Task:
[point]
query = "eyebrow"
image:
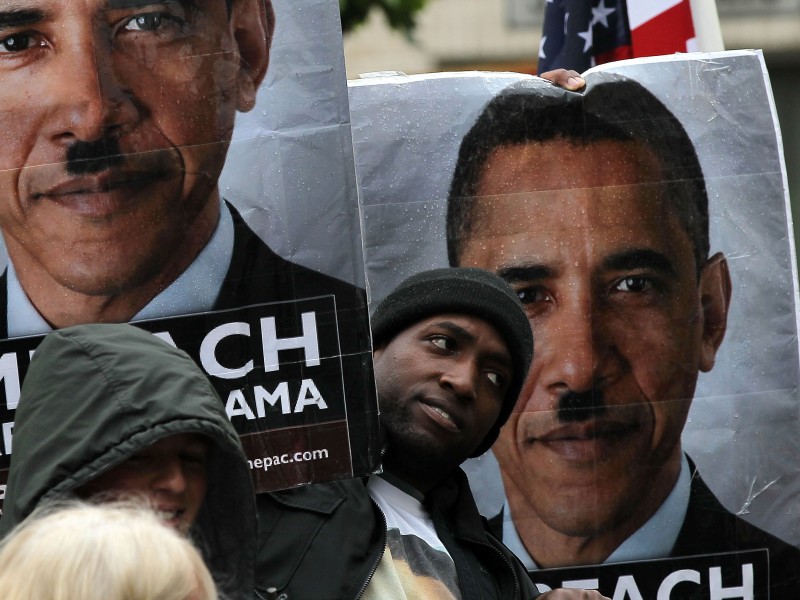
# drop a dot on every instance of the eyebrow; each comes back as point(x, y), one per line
point(456, 330)
point(15, 17)
point(525, 272)
point(118, 4)
point(639, 258)
point(627, 260)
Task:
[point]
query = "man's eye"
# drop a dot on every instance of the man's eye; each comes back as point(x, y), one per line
point(146, 22)
point(529, 295)
point(443, 342)
point(634, 284)
point(153, 21)
point(18, 42)
point(495, 378)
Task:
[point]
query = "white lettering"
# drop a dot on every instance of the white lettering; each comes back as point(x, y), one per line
point(262, 395)
point(582, 584)
point(745, 591)
point(8, 434)
point(308, 342)
point(9, 373)
point(237, 406)
point(165, 336)
point(208, 357)
point(309, 395)
point(285, 459)
point(673, 579)
point(627, 588)
point(673, 585)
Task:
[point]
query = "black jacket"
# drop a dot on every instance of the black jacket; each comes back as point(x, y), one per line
point(324, 542)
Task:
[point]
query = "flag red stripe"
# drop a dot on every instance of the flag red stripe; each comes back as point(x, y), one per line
point(664, 34)
point(618, 53)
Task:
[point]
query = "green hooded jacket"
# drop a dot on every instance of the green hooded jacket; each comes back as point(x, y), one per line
point(95, 395)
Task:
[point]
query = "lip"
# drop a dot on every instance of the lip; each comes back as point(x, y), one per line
point(98, 195)
point(590, 441)
point(450, 420)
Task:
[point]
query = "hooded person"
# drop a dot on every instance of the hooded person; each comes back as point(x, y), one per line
point(110, 411)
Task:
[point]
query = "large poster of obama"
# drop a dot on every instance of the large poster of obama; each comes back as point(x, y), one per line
point(643, 221)
point(187, 165)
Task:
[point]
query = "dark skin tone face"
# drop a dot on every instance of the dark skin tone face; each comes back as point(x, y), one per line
point(115, 122)
point(622, 326)
point(441, 384)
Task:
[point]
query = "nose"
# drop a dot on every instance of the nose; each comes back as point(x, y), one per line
point(460, 377)
point(92, 102)
point(170, 476)
point(575, 350)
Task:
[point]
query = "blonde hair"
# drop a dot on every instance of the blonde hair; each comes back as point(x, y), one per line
point(117, 551)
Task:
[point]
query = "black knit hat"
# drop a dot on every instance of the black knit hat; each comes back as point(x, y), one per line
point(462, 291)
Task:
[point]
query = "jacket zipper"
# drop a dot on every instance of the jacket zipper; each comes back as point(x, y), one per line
point(380, 554)
point(517, 592)
point(517, 584)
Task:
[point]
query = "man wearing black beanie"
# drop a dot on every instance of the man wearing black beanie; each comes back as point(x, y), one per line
point(451, 351)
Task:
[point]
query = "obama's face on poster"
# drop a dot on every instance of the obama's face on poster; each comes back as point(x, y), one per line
point(115, 119)
point(623, 320)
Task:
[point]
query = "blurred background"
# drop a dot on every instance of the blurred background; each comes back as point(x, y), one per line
point(420, 36)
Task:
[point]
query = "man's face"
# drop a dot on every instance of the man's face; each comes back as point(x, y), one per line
point(441, 384)
point(115, 118)
point(620, 323)
point(171, 474)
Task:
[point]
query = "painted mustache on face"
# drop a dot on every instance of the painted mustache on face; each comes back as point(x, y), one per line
point(574, 407)
point(87, 158)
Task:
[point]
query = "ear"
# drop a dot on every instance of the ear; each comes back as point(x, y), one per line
point(715, 298)
point(253, 24)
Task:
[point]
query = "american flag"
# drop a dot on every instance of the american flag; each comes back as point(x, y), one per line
point(579, 34)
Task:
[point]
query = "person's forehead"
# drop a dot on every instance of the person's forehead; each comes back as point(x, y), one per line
point(597, 227)
point(562, 164)
point(615, 214)
point(561, 190)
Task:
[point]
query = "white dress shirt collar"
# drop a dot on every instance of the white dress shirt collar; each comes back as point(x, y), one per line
point(654, 539)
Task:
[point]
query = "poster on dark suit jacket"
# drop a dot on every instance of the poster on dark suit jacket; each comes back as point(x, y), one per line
point(213, 202)
point(655, 439)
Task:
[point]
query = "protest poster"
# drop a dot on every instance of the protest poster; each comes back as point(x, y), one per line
point(682, 400)
point(118, 208)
